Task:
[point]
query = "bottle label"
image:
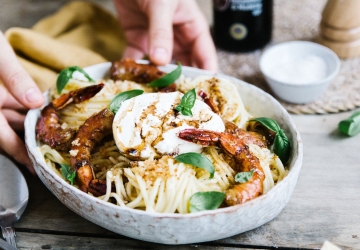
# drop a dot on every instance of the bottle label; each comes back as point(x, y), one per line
point(238, 31)
point(255, 6)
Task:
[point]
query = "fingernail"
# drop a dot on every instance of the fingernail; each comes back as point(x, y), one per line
point(33, 95)
point(160, 55)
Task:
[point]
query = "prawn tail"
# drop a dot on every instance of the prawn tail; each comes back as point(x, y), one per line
point(77, 96)
point(97, 187)
point(200, 136)
point(84, 175)
point(241, 193)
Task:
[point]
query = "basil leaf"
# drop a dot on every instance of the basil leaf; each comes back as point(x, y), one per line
point(68, 173)
point(187, 103)
point(282, 146)
point(350, 126)
point(66, 74)
point(268, 122)
point(184, 111)
point(243, 177)
point(116, 102)
point(281, 142)
point(167, 79)
point(201, 201)
point(197, 160)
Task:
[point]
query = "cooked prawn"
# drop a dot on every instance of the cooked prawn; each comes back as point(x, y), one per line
point(249, 137)
point(94, 129)
point(128, 69)
point(259, 128)
point(48, 128)
point(209, 102)
point(245, 161)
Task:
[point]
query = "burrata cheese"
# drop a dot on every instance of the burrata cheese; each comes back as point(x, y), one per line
point(148, 125)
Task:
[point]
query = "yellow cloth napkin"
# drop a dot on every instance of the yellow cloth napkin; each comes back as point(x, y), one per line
point(80, 33)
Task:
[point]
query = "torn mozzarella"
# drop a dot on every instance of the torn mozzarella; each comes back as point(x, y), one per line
point(148, 125)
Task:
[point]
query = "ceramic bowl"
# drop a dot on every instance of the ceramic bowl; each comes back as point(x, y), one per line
point(299, 71)
point(179, 228)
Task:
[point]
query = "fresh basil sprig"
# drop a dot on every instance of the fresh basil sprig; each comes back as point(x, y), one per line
point(116, 102)
point(350, 126)
point(167, 79)
point(201, 201)
point(187, 103)
point(197, 160)
point(281, 142)
point(243, 177)
point(66, 74)
point(68, 173)
point(282, 146)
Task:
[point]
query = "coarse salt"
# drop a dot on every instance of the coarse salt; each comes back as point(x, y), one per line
point(302, 70)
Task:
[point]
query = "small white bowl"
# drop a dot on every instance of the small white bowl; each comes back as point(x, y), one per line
point(299, 71)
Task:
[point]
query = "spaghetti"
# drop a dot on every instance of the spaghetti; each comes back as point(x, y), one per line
point(160, 184)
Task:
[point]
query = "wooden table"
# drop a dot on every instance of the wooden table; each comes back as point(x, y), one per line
point(325, 204)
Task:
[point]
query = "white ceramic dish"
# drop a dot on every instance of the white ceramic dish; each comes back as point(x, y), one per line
point(177, 228)
point(301, 61)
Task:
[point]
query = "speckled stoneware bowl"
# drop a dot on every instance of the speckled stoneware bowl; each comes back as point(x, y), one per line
point(178, 228)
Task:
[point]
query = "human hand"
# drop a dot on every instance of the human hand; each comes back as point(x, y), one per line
point(165, 30)
point(17, 93)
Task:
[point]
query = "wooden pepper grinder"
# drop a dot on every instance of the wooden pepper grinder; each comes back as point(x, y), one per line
point(340, 27)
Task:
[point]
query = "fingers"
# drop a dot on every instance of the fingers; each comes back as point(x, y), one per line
point(204, 52)
point(13, 145)
point(14, 119)
point(8, 101)
point(16, 79)
point(133, 53)
point(149, 28)
point(184, 58)
point(160, 17)
point(137, 45)
point(194, 36)
point(18, 83)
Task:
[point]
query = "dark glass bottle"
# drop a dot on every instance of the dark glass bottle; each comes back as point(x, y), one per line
point(242, 25)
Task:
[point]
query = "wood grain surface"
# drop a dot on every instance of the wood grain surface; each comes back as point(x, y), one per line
point(325, 204)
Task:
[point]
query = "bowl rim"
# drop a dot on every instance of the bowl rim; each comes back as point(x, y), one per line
point(294, 170)
point(300, 43)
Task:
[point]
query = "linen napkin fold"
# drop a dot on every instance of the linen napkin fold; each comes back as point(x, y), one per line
point(80, 33)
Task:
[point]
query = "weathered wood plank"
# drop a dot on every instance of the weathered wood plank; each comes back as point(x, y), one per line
point(36, 241)
point(321, 124)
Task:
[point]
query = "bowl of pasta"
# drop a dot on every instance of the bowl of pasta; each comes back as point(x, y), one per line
point(169, 154)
